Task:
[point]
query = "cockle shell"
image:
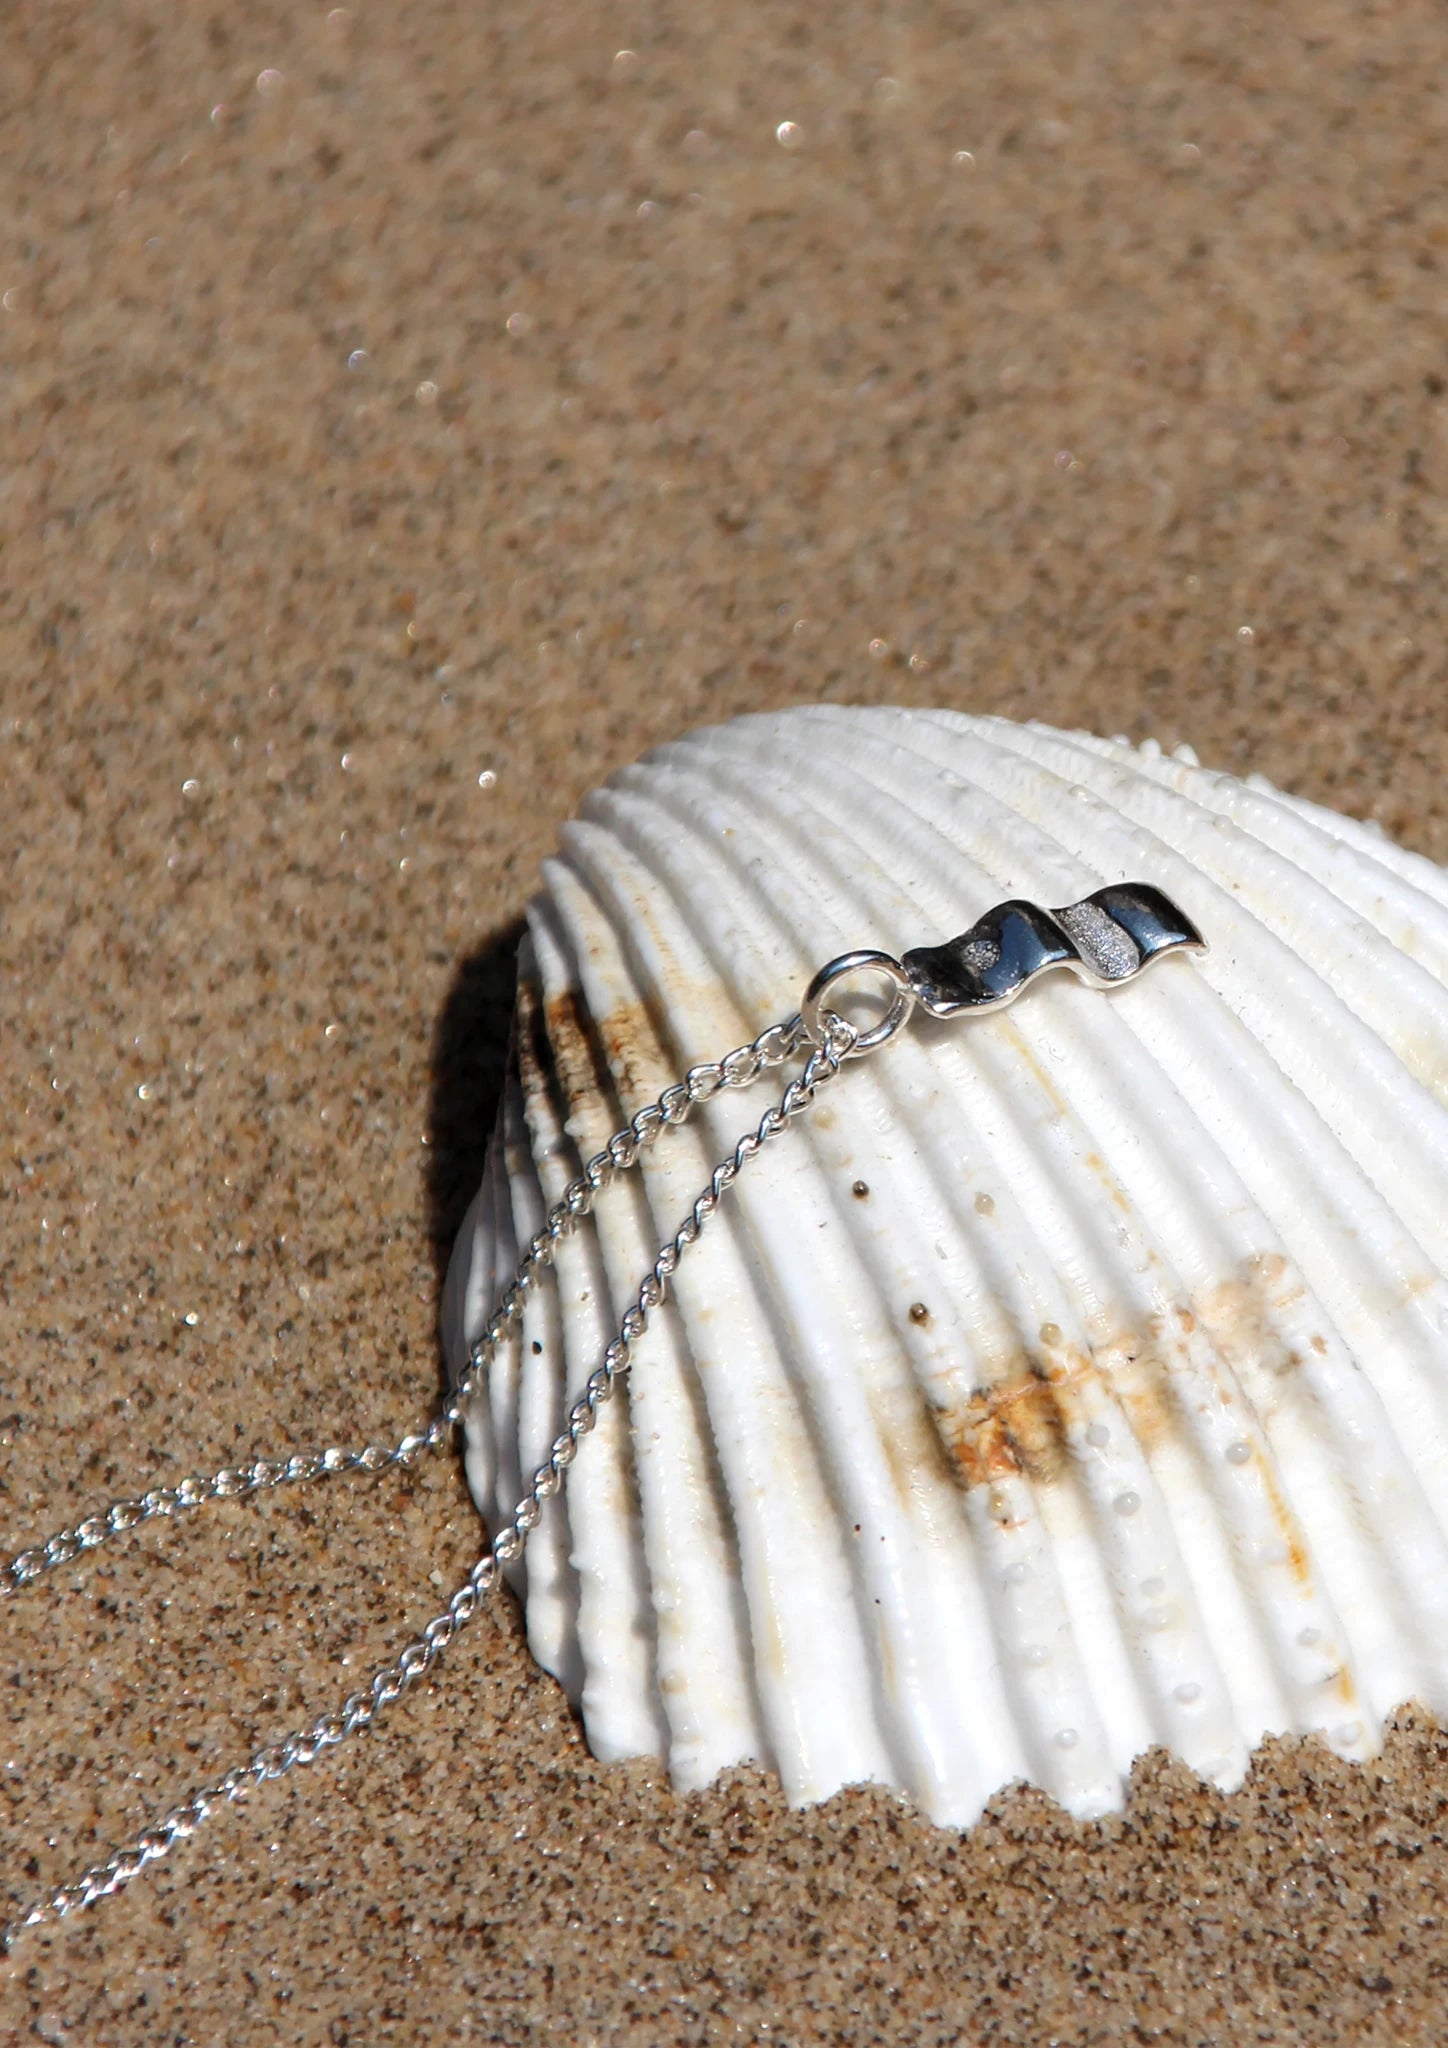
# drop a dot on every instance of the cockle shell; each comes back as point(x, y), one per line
point(1071, 1380)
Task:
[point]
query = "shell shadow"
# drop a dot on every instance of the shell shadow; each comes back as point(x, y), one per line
point(469, 1060)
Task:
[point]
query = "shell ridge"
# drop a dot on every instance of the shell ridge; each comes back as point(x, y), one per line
point(1286, 1170)
point(465, 1309)
point(616, 1628)
point(722, 1010)
point(814, 1760)
point(503, 1374)
point(689, 1545)
point(543, 1577)
point(546, 1570)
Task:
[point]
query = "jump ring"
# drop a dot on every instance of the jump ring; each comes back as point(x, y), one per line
point(814, 1014)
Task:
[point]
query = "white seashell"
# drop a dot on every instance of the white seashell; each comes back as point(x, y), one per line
point(1074, 1379)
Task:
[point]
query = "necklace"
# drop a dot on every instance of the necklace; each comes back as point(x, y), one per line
point(1106, 940)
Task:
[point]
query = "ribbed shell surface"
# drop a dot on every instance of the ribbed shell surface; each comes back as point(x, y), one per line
point(1073, 1379)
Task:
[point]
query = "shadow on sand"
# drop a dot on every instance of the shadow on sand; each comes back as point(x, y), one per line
point(469, 1060)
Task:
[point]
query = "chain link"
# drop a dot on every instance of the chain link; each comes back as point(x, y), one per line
point(738, 1069)
point(231, 1482)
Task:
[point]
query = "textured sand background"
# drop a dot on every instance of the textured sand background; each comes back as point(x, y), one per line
point(402, 396)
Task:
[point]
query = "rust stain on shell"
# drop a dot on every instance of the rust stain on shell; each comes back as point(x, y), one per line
point(600, 1070)
point(1017, 1426)
point(1021, 1424)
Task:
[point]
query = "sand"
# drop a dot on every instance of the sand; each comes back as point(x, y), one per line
point(412, 414)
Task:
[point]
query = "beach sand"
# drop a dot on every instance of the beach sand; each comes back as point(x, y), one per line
point(411, 415)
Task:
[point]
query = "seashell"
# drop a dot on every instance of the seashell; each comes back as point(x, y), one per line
point(1075, 1378)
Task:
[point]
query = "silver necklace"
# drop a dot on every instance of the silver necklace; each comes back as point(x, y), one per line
point(1106, 939)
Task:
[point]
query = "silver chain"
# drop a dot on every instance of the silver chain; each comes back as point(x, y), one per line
point(836, 1041)
point(983, 969)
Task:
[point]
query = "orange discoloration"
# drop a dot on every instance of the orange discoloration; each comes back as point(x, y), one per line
point(1290, 1529)
point(533, 1054)
point(596, 1075)
point(998, 1504)
point(1038, 1072)
point(1243, 1314)
point(576, 1056)
point(1016, 1426)
point(635, 1056)
point(768, 1641)
point(605, 1069)
point(1424, 1059)
point(913, 1450)
point(1022, 1423)
point(1115, 1191)
point(1142, 1384)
